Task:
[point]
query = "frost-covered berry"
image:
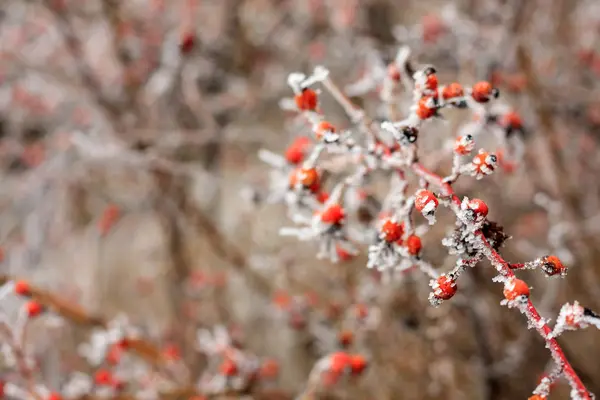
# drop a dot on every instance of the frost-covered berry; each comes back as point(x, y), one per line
point(391, 230)
point(306, 100)
point(464, 145)
point(483, 164)
point(553, 266)
point(515, 289)
point(426, 203)
point(426, 108)
point(444, 288)
point(325, 130)
point(413, 245)
point(474, 210)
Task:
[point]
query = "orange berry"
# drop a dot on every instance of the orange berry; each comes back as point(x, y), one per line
point(424, 110)
point(307, 177)
point(482, 91)
point(453, 90)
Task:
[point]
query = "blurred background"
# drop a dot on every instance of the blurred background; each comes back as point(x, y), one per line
point(130, 182)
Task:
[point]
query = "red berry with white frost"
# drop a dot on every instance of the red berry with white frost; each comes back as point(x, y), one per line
point(515, 289)
point(444, 288)
point(426, 203)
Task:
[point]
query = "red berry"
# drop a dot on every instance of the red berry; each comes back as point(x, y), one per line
point(478, 206)
point(54, 396)
point(340, 361)
point(22, 288)
point(345, 338)
point(334, 214)
point(392, 231)
point(515, 288)
point(358, 364)
point(171, 352)
point(445, 288)
point(228, 367)
point(103, 377)
point(393, 72)
point(322, 128)
point(425, 201)
point(424, 110)
point(34, 308)
point(414, 245)
point(296, 151)
point(188, 42)
point(306, 100)
point(307, 177)
point(269, 369)
point(553, 266)
point(361, 311)
point(343, 254)
point(537, 397)
point(511, 119)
